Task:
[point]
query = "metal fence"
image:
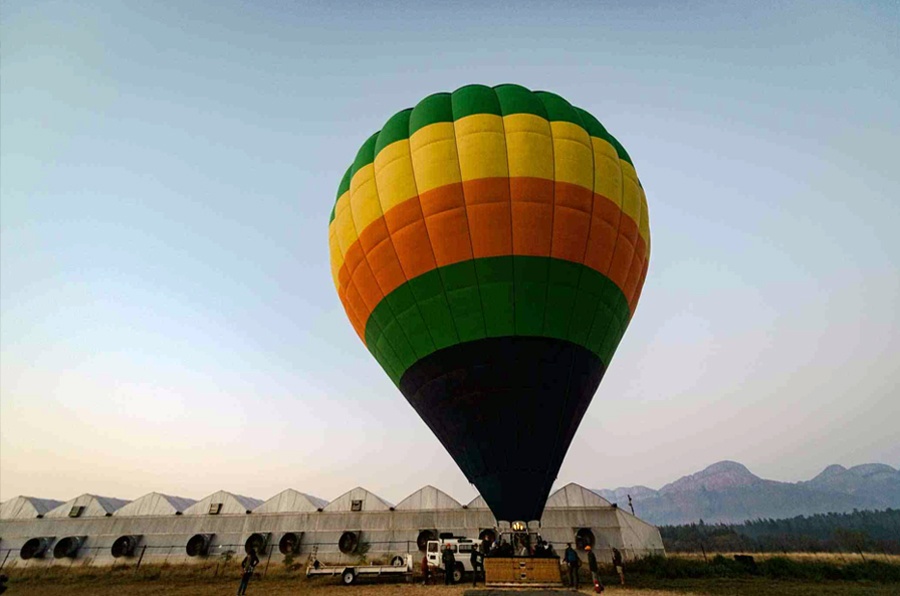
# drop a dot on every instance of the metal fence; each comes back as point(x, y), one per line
point(221, 555)
point(88, 556)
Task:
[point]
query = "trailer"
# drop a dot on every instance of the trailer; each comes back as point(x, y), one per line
point(401, 565)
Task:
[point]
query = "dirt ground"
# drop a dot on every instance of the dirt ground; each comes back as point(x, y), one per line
point(214, 578)
point(200, 586)
point(297, 586)
point(270, 588)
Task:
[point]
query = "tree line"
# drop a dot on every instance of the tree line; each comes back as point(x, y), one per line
point(859, 531)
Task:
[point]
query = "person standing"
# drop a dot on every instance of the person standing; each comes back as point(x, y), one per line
point(595, 570)
point(573, 562)
point(449, 562)
point(617, 563)
point(477, 560)
point(247, 566)
point(426, 570)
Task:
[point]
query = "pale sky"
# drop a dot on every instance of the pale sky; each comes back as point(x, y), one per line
point(167, 171)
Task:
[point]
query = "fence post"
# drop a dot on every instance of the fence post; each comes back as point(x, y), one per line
point(141, 558)
point(266, 570)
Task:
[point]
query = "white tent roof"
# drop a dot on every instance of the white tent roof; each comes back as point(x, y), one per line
point(571, 495)
point(370, 501)
point(575, 495)
point(94, 506)
point(156, 504)
point(637, 535)
point(231, 504)
point(26, 507)
point(291, 500)
point(477, 503)
point(428, 498)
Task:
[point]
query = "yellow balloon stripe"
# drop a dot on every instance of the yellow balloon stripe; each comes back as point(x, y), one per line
point(480, 141)
point(435, 161)
point(479, 147)
point(394, 175)
point(364, 203)
point(573, 157)
point(529, 146)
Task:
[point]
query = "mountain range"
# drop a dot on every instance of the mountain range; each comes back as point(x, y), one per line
point(727, 492)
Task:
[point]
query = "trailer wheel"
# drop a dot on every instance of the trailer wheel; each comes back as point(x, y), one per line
point(348, 577)
point(458, 571)
point(398, 561)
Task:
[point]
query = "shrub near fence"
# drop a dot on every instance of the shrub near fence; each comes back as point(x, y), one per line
point(771, 568)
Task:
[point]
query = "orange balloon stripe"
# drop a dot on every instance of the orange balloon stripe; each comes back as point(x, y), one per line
point(490, 222)
point(444, 209)
point(485, 218)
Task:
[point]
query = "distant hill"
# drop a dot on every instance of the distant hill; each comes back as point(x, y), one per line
point(727, 492)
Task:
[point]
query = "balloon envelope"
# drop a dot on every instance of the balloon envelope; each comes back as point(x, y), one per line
point(489, 247)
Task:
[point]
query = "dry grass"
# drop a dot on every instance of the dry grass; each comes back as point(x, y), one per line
point(839, 558)
point(263, 589)
point(282, 586)
point(211, 578)
point(205, 579)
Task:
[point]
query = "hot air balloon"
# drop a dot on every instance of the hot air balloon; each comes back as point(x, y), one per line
point(489, 247)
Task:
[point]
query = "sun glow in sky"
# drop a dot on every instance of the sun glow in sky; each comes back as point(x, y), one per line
point(167, 171)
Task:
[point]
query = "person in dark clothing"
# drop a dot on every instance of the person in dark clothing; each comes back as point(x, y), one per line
point(449, 562)
point(247, 566)
point(426, 570)
point(573, 562)
point(486, 547)
point(595, 570)
point(477, 560)
point(617, 563)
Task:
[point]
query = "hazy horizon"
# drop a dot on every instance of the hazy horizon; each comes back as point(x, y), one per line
point(395, 498)
point(167, 316)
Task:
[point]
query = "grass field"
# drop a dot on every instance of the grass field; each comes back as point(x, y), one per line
point(838, 558)
point(676, 575)
point(270, 588)
point(183, 586)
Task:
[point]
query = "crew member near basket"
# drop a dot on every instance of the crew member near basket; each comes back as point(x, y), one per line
point(449, 562)
point(617, 563)
point(595, 569)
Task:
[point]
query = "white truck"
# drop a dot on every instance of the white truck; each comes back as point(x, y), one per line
point(462, 552)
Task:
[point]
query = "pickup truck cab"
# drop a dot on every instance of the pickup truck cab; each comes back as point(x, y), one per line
point(462, 551)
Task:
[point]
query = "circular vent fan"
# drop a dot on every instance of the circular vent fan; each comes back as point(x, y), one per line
point(198, 545)
point(289, 543)
point(348, 543)
point(423, 538)
point(124, 546)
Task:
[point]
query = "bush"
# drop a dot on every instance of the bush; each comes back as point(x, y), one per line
point(290, 563)
point(778, 568)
